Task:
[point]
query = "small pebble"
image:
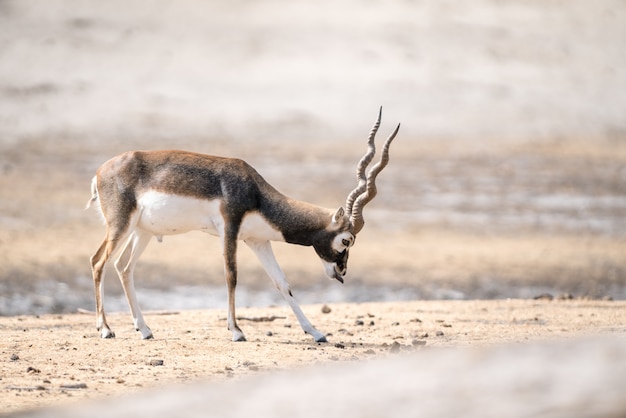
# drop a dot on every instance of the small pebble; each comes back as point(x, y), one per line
point(359, 322)
point(156, 362)
point(395, 347)
point(15, 357)
point(269, 333)
point(326, 309)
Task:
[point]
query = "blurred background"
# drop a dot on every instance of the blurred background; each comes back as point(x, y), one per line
point(508, 177)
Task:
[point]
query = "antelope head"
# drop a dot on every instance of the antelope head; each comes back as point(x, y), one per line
point(347, 223)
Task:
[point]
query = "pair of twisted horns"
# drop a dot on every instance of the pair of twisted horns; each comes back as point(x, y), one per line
point(365, 191)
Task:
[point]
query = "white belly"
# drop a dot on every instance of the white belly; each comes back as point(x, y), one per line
point(166, 214)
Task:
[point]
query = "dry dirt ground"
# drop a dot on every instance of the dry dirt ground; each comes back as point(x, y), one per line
point(53, 360)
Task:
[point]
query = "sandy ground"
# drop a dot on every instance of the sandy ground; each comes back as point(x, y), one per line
point(59, 359)
point(582, 377)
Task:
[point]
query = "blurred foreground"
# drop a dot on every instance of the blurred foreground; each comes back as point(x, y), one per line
point(514, 358)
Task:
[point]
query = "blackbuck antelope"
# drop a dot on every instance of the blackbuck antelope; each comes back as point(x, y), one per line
point(142, 194)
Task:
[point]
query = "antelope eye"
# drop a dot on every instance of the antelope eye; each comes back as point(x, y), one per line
point(345, 242)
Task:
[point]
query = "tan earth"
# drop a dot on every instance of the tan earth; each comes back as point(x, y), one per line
point(54, 360)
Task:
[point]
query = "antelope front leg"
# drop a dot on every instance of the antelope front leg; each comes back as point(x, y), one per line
point(229, 244)
point(263, 251)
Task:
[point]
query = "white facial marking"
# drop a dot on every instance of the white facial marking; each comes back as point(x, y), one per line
point(329, 269)
point(343, 241)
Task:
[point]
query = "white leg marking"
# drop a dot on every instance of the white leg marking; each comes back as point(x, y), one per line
point(125, 266)
point(263, 251)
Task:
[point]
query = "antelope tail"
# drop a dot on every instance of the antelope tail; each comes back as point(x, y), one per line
point(94, 193)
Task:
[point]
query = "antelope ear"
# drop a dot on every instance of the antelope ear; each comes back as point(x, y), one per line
point(338, 215)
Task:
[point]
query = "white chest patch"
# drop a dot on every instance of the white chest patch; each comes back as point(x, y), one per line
point(167, 214)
